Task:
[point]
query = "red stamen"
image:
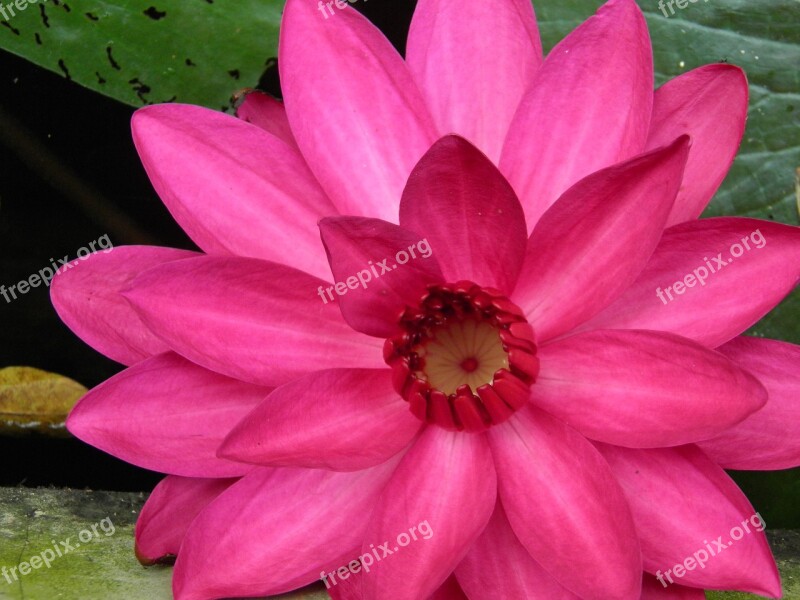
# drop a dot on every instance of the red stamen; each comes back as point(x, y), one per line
point(465, 409)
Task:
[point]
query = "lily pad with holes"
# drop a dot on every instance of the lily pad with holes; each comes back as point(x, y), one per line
point(763, 38)
point(145, 52)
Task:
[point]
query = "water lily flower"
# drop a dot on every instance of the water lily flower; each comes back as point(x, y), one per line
point(522, 388)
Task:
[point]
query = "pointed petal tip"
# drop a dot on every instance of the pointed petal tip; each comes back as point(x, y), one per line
point(452, 145)
point(76, 424)
point(143, 559)
point(620, 4)
point(767, 583)
point(774, 588)
point(632, 198)
point(473, 62)
point(680, 145)
point(147, 561)
point(710, 102)
point(616, 9)
point(265, 112)
point(593, 94)
point(726, 69)
point(454, 140)
point(86, 298)
point(762, 442)
point(327, 223)
point(455, 190)
point(84, 423)
point(233, 448)
point(389, 133)
point(701, 317)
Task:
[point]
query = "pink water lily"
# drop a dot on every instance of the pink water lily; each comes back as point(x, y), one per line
point(521, 388)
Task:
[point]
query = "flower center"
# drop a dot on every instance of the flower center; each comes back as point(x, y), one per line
point(465, 359)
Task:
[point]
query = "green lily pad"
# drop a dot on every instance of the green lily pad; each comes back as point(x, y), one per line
point(763, 38)
point(197, 51)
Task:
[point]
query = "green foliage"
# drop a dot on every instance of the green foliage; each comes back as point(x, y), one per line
point(193, 51)
point(762, 38)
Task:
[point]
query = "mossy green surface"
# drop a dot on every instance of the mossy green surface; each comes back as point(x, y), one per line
point(33, 520)
point(104, 568)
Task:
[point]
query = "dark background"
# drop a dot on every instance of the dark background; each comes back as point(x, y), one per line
point(68, 175)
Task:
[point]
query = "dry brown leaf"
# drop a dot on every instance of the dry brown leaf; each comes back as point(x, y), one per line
point(35, 400)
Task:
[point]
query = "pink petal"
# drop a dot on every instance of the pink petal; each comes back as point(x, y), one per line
point(168, 513)
point(590, 246)
point(354, 109)
point(769, 438)
point(253, 320)
point(380, 269)
point(643, 389)
point(86, 297)
point(565, 506)
point(459, 200)
point(264, 111)
point(729, 299)
point(340, 419)
point(232, 187)
point(653, 590)
point(587, 108)
point(350, 588)
point(166, 414)
point(681, 503)
point(277, 530)
point(473, 62)
point(441, 497)
point(499, 566)
point(710, 104)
